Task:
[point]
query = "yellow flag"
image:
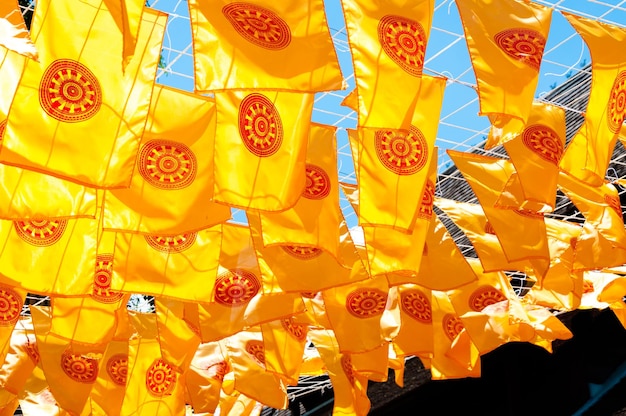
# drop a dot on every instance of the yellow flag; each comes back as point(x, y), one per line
point(127, 15)
point(110, 386)
point(182, 266)
point(21, 358)
point(314, 220)
point(392, 165)
point(595, 251)
point(284, 342)
point(260, 148)
point(536, 154)
point(13, 32)
point(172, 184)
point(205, 376)
point(349, 388)
point(76, 89)
point(177, 339)
point(261, 44)
point(388, 44)
point(506, 41)
point(13, 298)
point(588, 154)
point(599, 204)
point(416, 331)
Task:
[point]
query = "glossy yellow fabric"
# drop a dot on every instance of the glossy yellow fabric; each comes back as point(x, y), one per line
point(13, 32)
point(86, 33)
point(315, 219)
point(14, 298)
point(386, 92)
point(272, 182)
point(595, 251)
point(177, 339)
point(176, 118)
point(535, 154)
point(588, 154)
point(203, 379)
point(127, 15)
point(416, 330)
point(18, 364)
point(386, 197)
point(506, 81)
point(225, 59)
point(373, 364)
point(184, 274)
point(284, 342)
point(107, 395)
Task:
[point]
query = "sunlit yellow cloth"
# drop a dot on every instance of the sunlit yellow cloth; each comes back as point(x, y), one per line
point(416, 313)
point(522, 234)
point(109, 389)
point(70, 369)
point(613, 294)
point(77, 92)
point(315, 219)
point(374, 364)
point(588, 154)
point(36, 398)
point(284, 341)
point(349, 388)
point(316, 268)
point(237, 404)
point(49, 256)
point(536, 153)
point(204, 377)
point(20, 195)
point(180, 266)
point(594, 251)
point(129, 15)
point(260, 148)
point(13, 32)
point(599, 204)
point(263, 45)
point(178, 340)
point(172, 183)
point(13, 298)
point(506, 41)
point(20, 360)
point(392, 166)
point(246, 355)
point(388, 44)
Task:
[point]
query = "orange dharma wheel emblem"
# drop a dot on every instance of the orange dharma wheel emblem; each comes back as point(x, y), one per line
point(166, 164)
point(160, 378)
point(404, 42)
point(79, 367)
point(102, 280)
point(544, 142)
point(10, 306)
point(236, 287)
point(303, 252)
point(117, 368)
point(256, 349)
point(416, 304)
point(260, 126)
point(258, 25)
point(218, 370)
point(69, 91)
point(171, 244)
point(348, 368)
point(614, 203)
point(485, 296)
point(366, 302)
point(521, 44)
point(452, 325)
point(298, 331)
point(400, 152)
point(617, 103)
point(428, 200)
point(40, 232)
point(317, 183)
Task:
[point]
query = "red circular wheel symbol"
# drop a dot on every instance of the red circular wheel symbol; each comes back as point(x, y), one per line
point(617, 103)
point(402, 153)
point(303, 252)
point(317, 183)
point(524, 45)
point(544, 142)
point(485, 296)
point(257, 350)
point(117, 368)
point(366, 302)
point(415, 304)
point(348, 368)
point(217, 371)
point(298, 331)
point(40, 232)
point(160, 378)
point(102, 280)
point(10, 306)
point(69, 91)
point(167, 165)
point(404, 41)
point(171, 244)
point(79, 368)
point(452, 325)
point(614, 203)
point(260, 126)
point(236, 287)
point(258, 25)
point(428, 200)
